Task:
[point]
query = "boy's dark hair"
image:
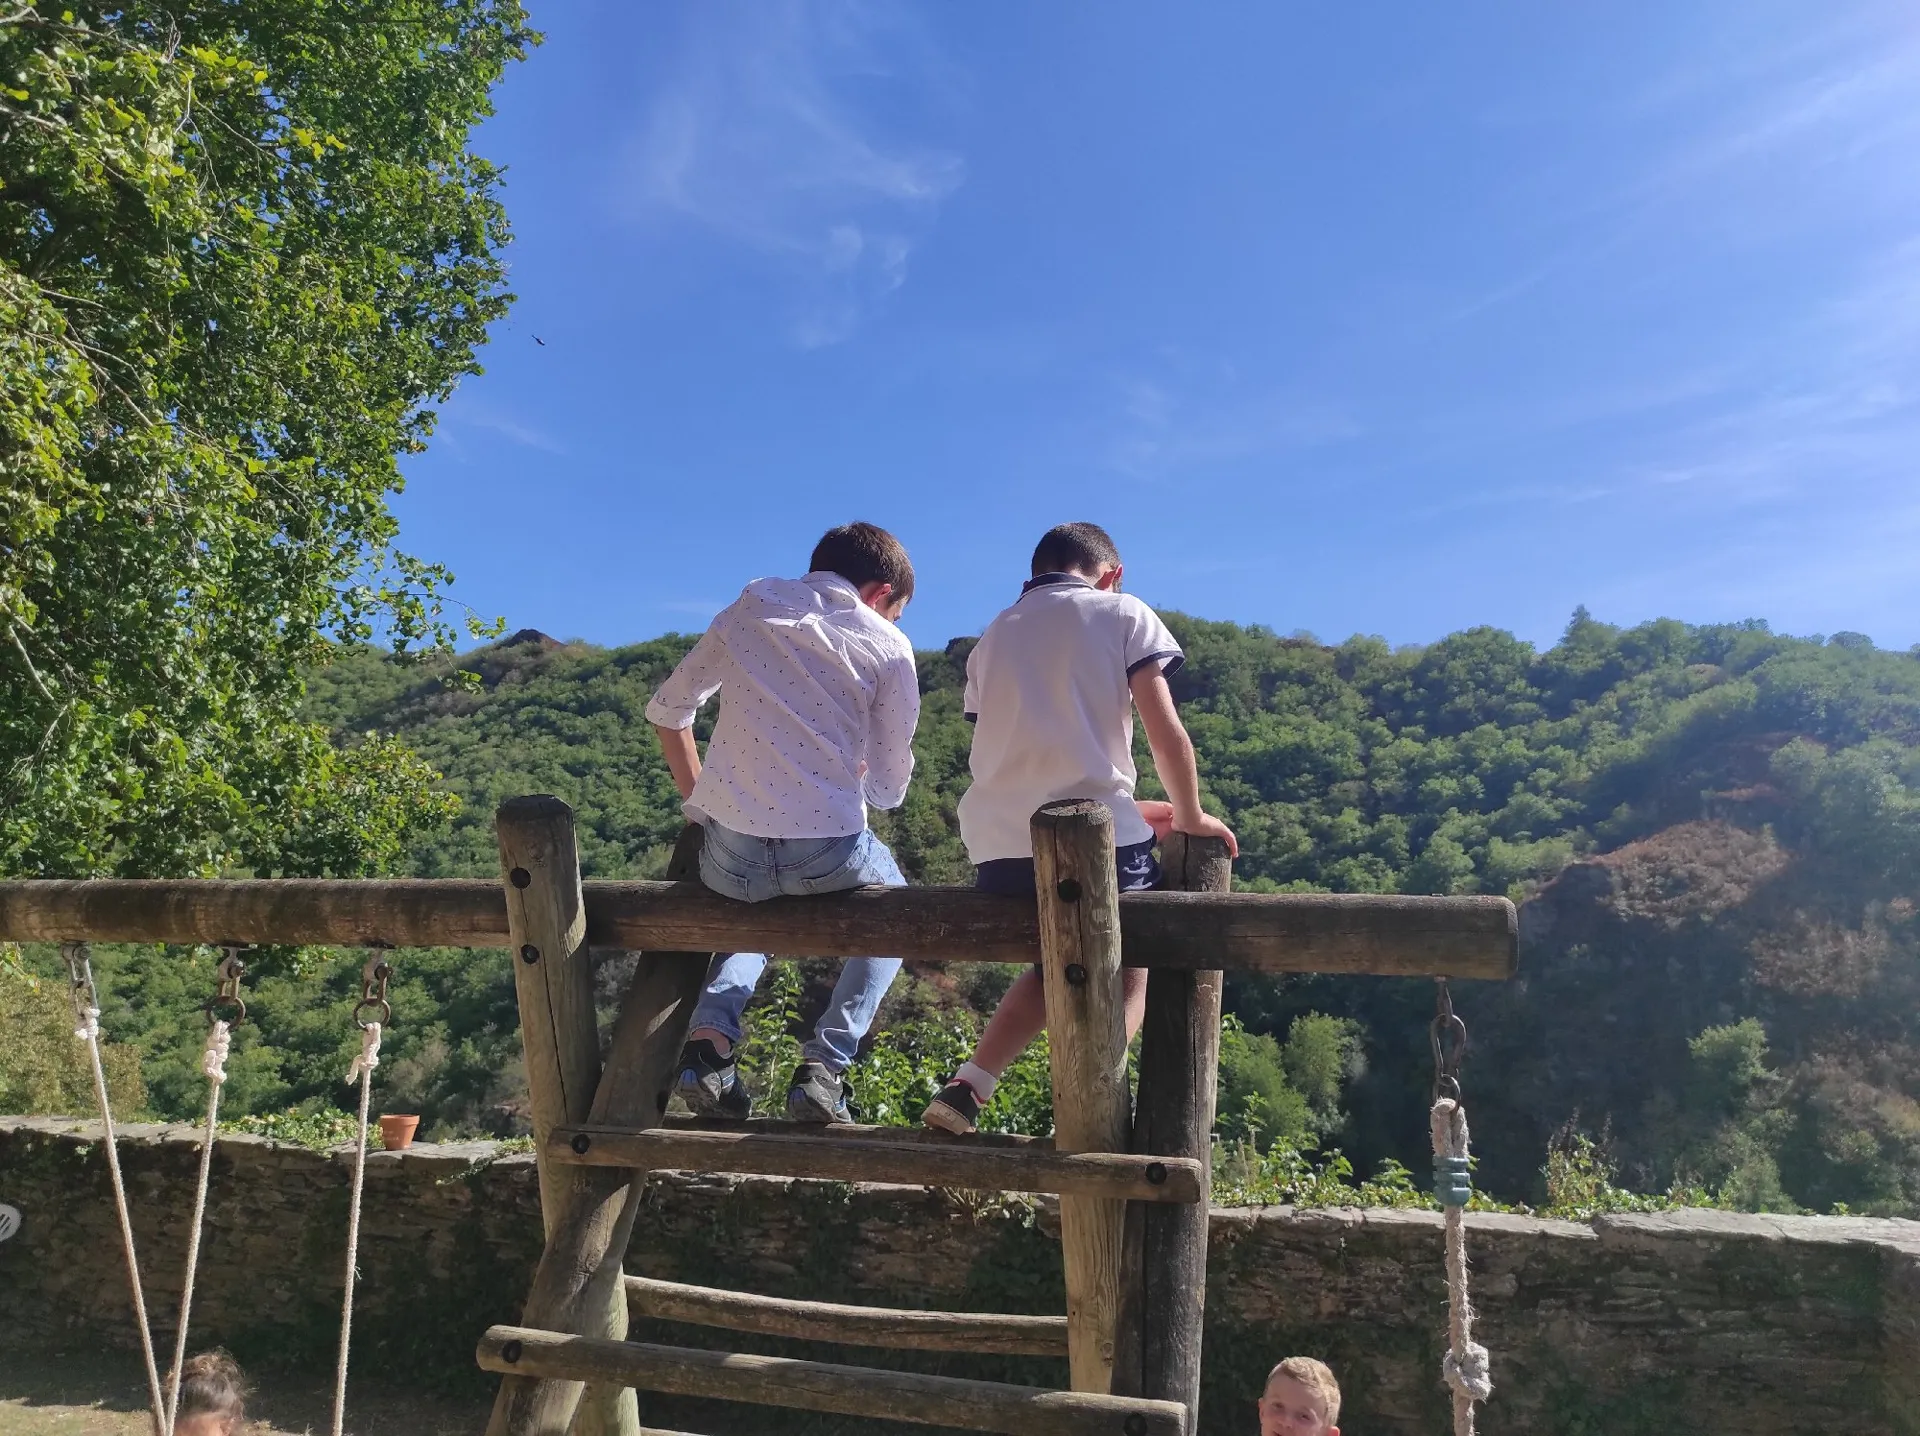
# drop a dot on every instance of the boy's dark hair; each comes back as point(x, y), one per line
point(1074, 548)
point(864, 554)
point(211, 1385)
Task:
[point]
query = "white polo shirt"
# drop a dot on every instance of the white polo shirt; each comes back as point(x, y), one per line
point(1053, 715)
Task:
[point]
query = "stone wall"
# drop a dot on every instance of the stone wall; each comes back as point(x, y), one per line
point(1696, 1321)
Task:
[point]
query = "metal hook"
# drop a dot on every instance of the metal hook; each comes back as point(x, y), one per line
point(373, 992)
point(1447, 1035)
point(227, 993)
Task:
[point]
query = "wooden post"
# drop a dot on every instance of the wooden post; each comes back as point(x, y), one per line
point(578, 1287)
point(552, 973)
point(1179, 1067)
point(1087, 1036)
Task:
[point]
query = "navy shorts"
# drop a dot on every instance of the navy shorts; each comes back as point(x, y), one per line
point(1135, 866)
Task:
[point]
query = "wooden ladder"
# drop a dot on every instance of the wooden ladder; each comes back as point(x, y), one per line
point(1131, 1177)
point(567, 1367)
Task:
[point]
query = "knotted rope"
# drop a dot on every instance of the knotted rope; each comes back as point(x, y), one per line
point(80, 978)
point(1466, 1365)
point(213, 1062)
point(361, 1071)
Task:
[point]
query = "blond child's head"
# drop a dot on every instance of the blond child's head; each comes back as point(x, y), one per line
point(213, 1397)
point(1301, 1399)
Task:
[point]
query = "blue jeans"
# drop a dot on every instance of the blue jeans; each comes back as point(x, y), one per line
point(754, 869)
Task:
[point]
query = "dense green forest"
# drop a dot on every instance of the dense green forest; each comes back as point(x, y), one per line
point(1715, 832)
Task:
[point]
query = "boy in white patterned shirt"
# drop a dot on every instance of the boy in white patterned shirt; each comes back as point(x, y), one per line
point(818, 703)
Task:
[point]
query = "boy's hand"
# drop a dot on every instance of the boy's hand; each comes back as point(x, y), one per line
point(1158, 815)
point(1205, 825)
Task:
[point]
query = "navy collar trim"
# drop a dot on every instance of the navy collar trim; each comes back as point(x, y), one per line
point(1053, 580)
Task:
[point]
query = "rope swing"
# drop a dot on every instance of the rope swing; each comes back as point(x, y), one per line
point(86, 1009)
point(213, 1062)
point(1466, 1366)
point(373, 1000)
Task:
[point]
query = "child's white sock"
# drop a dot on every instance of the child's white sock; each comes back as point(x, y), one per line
point(982, 1081)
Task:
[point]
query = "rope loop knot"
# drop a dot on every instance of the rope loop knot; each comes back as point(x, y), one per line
point(213, 1062)
point(1469, 1373)
point(369, 1057)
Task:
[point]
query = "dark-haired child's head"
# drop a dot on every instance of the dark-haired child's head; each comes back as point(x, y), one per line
point(872, 560)
point(1083, 549)
point(213, 1396)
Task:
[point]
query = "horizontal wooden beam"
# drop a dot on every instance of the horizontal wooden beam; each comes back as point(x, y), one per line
point(957, 1162)
point(1250, 932)
point(820, 1386)
point(849, 1132)
point(898, 1327)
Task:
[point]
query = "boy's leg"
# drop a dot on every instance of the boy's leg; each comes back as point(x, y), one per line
point(730, 984)
point(863, 981)
point(1022, 1013)
point(1020, 1017)
point(857, 993)
point(735, 866)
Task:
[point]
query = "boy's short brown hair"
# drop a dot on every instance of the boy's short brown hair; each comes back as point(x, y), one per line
point(864, 554)
point(1074, 548)
point(1316, 1376)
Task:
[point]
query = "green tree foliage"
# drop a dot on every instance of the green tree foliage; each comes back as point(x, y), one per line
point(44, 1068)
point(243, 250)
point(1475, 764)
point(1286, 1092)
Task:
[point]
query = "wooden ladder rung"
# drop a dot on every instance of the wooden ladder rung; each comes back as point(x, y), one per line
point(970, 1331)
point(835, 1154)
point(821, 1386)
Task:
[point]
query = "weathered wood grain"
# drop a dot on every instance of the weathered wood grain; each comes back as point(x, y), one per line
point(1079, 917)
point(819, 1386)
point(1179, 1067)
point(955, 1162)
point(1463, 937)
point(897, 1327)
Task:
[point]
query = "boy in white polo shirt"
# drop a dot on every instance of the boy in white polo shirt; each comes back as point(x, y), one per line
point(818, 703)
point(1051, 689)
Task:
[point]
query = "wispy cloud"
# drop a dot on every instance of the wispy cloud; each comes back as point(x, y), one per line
point(1185, 426)
point(522, 434)
point(758, 139)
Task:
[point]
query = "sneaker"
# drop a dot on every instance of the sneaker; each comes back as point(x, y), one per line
point(956, 1109)
point(710, 1084)
point(817, 1095)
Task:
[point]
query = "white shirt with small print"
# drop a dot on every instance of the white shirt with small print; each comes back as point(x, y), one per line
point(1048, 693)
point(813, 685)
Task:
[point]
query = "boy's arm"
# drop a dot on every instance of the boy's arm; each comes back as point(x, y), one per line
point(682, 755)
point(894, 716)
point(671, 710)
point(1173, 757)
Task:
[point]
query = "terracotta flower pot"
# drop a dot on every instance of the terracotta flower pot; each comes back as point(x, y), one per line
point(396, 1132)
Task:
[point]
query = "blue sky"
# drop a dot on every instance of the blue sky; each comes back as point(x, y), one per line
point(1389, 320)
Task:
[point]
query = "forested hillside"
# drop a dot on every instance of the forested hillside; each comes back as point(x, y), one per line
point(1715, 832)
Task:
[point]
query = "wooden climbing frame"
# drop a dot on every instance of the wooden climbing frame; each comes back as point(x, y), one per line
point(1131, 1171)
